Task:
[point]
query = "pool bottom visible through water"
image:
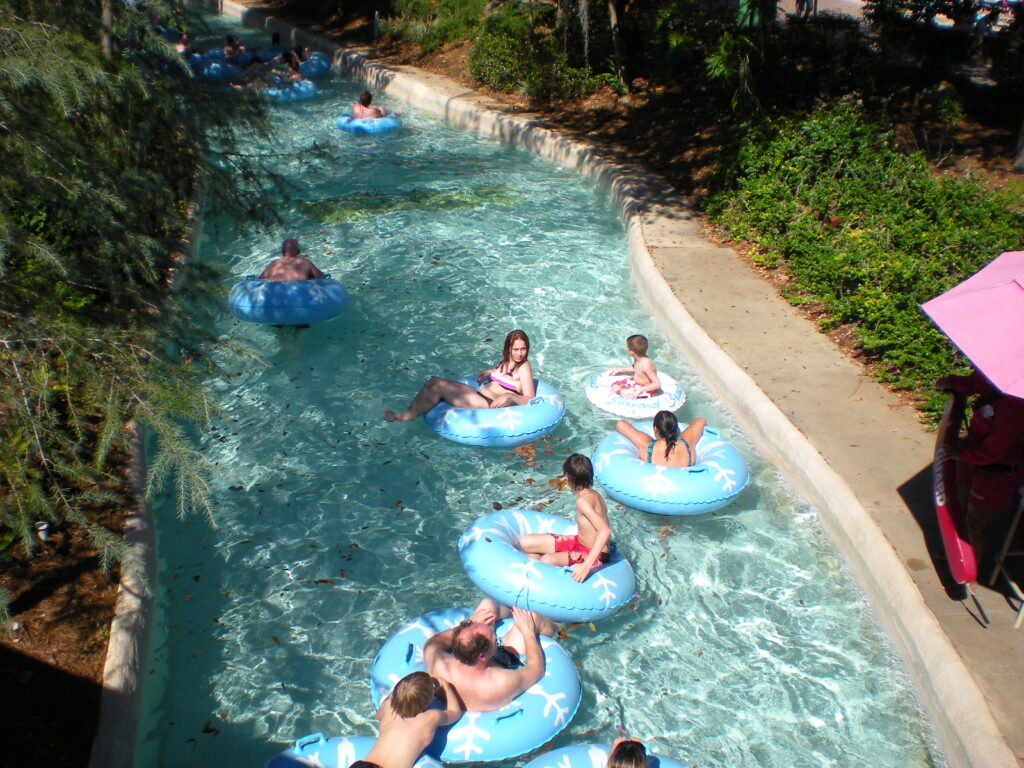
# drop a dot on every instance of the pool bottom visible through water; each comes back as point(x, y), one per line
point(747, 644)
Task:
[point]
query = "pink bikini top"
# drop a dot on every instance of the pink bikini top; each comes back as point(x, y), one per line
point(504, 384)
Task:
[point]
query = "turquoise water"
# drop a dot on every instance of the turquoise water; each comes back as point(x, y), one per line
point(748, 645)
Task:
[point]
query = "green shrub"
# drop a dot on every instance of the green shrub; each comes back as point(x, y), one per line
point(508, 56)
point(434, 23)
point(866, 230)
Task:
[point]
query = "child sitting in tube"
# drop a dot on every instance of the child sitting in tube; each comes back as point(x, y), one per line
point(590, 545)
point(643, 381)
point(416, 708)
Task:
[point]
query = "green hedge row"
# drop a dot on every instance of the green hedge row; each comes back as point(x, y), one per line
point(866, 230)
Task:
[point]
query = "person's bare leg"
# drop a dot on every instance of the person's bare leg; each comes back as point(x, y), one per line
point(514, 638)
point(692, 434)
point(490, 611)
point(536, 543)
point(433, 392)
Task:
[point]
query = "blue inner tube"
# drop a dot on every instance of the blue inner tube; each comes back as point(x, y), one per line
point(499, 427)
point(499, 568)
point(366, 125)
point(529, 721)
point(291, 90)
point(591, 756)
point(335, 752)
point(317, 64)
point(214, 69)
point(287, 302)
point(715, 479)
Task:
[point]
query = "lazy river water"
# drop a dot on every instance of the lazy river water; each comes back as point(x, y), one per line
point(748, 645)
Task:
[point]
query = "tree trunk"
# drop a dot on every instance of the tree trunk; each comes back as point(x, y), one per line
point(620, 56)
point(1018, 156)
point(106, 28)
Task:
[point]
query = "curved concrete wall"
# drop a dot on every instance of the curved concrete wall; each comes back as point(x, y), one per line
point(964, 725)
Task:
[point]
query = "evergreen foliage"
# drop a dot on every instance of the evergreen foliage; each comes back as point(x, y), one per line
point(99, 312)
point(867, 230)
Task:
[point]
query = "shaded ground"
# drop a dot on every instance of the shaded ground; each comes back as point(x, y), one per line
point(51, 670)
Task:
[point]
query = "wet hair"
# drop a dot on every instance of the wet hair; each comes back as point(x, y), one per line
point(233, 41)
point(365, 98)
point(412, 694)
point(506, 352)
point(579, 472)
point(628, 754)
point(468, 649)
point(300, 52)
point(290, 245)
point(666, 426)
point(275, 38)
point(637, 344)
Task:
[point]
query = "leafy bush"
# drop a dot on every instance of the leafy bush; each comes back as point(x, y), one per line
point(434, 23)
point(866, 230)
point(509, 56)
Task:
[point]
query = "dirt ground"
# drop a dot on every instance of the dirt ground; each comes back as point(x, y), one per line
point(51, 668)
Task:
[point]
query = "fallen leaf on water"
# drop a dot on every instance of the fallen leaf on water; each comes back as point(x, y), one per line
point(324, 581)
point(496, 505)
point(592, 627)
point(559, 482)
point(276, 640)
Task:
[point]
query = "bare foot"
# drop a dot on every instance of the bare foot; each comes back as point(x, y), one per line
point(390, 415)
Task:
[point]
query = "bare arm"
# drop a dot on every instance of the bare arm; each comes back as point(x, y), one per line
point(533, 670)
point(525, 389)
point(621, 371)
point(435, 646)
point(453, 705)
point(634, 435)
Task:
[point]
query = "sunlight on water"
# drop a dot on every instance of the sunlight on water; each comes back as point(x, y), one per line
point(748, 645)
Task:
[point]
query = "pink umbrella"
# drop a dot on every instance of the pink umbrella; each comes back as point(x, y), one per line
point(984, 317)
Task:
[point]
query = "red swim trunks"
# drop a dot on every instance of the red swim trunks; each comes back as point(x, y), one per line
point(577, 551)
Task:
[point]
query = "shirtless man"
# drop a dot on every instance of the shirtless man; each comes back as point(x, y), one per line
point(487, 676)
point(290, 266)
point(408, 720)
point(362, 110)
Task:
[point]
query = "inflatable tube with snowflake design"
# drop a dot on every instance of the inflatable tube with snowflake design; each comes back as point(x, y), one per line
point(599, 392)
point(317, 64)
point(287, 302)
point(368, 125)
point(499, 427)
point(715, 479)
point(591, 756)
point(495, 563)
point(335, 752)
point(290, 90)
point(530, 720)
